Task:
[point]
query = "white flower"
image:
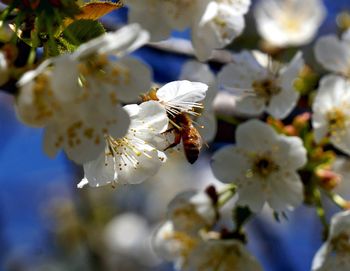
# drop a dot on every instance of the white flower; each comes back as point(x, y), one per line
point(173, 245)
point(289, 22)
point(77, 96)
point(181, 96)
point(331, 112)
point(161, 17)
point(218, 26)
point(200, 72)
point(268, 85)
point(190, 252)
point(222, 255)
point(191, 211)
point(214, 24)
point(127, 238)
point(263, 165)
point(133, 158)
point(126, 233)
point(334, 54)
point(335, 252)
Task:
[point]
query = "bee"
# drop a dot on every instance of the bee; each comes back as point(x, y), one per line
point(183, 129)
point(191, 138)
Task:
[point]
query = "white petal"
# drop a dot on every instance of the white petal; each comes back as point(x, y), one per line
point(64, 78)
point(191, 211)
point(331, 92)
point(82, 183)
point(150, 15)
point(290, 152)
point(83, 137)
point(51, 144)
point(179, 16)
point(241, 74)
point(340, 222)
point(320, 126)
point(239, 7)
point(120, 42)
point(283, 103)
point(333, 54)
point(251, 194)
point(222, 255)
point(216, 29)
point(250, 106)
point(30, 75)
point(149, 162)
point(341, 140)
point(281, 182)
point(255, 136)
point(164, 245)
point(99, 172)
point(148, 119)
point(34, 107)
point(134, 78)
point(229, 165)
point(319, 258)
point(182, 92)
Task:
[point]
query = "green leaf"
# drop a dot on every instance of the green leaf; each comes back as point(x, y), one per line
point(82, 31)
point(65, 46)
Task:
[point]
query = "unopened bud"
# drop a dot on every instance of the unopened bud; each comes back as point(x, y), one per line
point(302, 120)
point(290, 130)
point(328, 179)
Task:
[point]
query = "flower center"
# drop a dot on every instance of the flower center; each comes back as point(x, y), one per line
point(44, 102)
point(341, 243)
point(266, 88)
point(290, 24)
point(220, 257)
point(104, 70)
point(264, 166)
point(336, 119)
point(188, 216)
point(125, 150)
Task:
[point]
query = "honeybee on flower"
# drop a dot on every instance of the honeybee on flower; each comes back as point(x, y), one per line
point(181, 99)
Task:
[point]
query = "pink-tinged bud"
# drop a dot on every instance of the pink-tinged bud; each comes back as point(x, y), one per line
point(328, 179)
point(290, 130)
point(301, 120)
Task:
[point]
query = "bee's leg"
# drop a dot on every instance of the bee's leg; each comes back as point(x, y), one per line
point(177, 141)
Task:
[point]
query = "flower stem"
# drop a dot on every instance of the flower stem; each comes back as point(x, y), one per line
point(226, 195)
point(228, 119)
point(338, 200)
point(321, 212)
